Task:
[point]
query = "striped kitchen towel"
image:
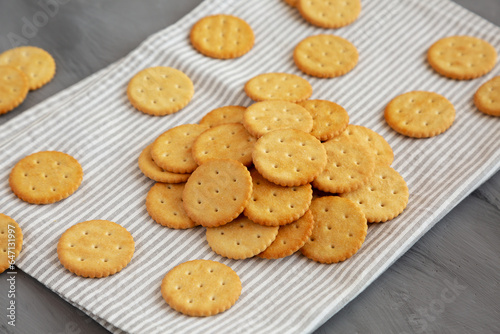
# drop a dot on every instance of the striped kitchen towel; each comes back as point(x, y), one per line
point(94, 122)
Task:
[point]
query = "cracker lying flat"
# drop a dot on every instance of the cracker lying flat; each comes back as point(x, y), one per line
point(329, 13)
point(462, 57)
point(349, 166)
point(217, 192)
point(149, 168)
point(374, 142)
point(95, 248)
point(201, 288)
point(275, 205)
point(13, 88)
point(222, 36)
point(329, 119)
point(171, 151)
point(45, 177)
point(290, 238)
point(223, 115)
point(383, 197)
point(11, 241)
point(325, 56)
point(241, 238)
point(289, 157)
point(339, 230)
point(225, 141)
point(278, 86)
point(164, 205)
point(36, 63)
point(487, 97)
point(420, 114)
point(266, 116)
point(160, 90)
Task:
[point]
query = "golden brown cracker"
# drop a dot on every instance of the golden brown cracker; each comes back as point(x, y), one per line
point(224, 115)
point(217, 192)
point(329, 13)
point(36, 63)
point(383, 197)
point(160, 90)
point(150, 169)
point(164, 205)
point(329, 119)
point(339, 230)
point(11, 242)
point(290, 238)
point(266, 116)
point(45, 177)
point(225, 141)
point(487, 97)
point(462, 57)
point(420, 114)
point(13, 88)
point(171, 151)
point(325, 56)
point(241, 238)
point(289, 157)
point(95, 248)
point(201, 288)
point(278, 86)
point(222, 36)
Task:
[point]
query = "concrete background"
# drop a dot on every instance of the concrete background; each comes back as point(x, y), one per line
point(448, 282)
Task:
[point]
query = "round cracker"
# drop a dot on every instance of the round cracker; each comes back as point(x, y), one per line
point(383, 197)
point(201, 288)
point(225, 141)
point(289, 157)
point(329, 13)
point(274, 205)
point(217, 192)
point(164, 205)
point(266, 116)
point(339, 230)
point(95, 248)
point(150, 169)
point(241, 238)
point(11, 241)
point(36, 63)
point(45, 177)
point(487, 97)
point(13, 88)
point(222, 36)
point(160, 90)
point(329, 119)
point(290, 238)
point(171, 151)
point(462, 57)
point(278, 86)
point(420, 114)
point(224, 115)
point(325, 56)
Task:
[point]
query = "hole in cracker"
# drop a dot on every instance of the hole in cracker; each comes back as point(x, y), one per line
point(332, 246)
point(221, 233)
point(258, 236)
point(237, 243)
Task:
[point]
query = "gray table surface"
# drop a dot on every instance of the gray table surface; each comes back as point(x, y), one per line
point(448, 282)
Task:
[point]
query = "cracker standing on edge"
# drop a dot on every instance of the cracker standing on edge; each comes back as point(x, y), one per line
point(150, 169)
point(164, 205)
point(289, 157)
point(462, 57)
point(241, 238)
point(325, 56)
point(329, 13)
point(217, 192)
point(201, 288)
point(487, 97)
point(222, 36)
point(11, 241)
point(383, 197)
point(160, 90)
point(36, 63)
point(224, 115)
point(420, 114)
point(171, 151)
point(95, 248)
point(45, 177)
point(329, 119)
point(339, 230)
point(278, 86)
point(13, 88)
